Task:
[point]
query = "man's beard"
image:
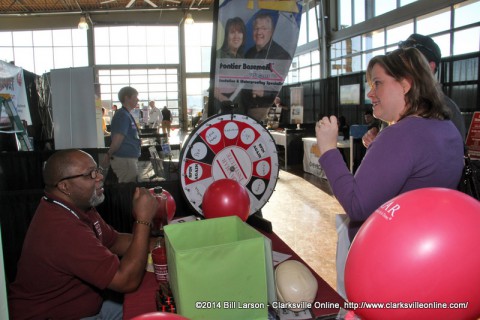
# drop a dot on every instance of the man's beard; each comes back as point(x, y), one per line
point(95, 200)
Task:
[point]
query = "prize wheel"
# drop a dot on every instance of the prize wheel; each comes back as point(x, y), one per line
point(229, 146)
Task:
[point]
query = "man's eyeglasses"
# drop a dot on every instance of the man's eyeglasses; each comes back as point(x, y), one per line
point(92, 174)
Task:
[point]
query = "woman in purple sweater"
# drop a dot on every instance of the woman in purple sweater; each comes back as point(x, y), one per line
point(420, 148)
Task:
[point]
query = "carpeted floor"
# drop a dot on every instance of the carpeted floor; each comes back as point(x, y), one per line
point(304, 217)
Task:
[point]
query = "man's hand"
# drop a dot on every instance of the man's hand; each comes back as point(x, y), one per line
point(144, 205)
point(135, 247)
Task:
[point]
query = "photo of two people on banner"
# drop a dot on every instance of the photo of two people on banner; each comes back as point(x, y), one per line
point(256, 100)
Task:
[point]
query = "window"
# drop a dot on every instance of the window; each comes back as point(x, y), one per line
point(356, 44)
point(358, 8)
point(466, 13)
point(305, 72)
point(198, 47)
point(345, 12)
point(337, 67)
point(434, 22)
point(157, 84)
point(304, 67)
point(335, 50)
point(462, 41)
point(405, 2)
point(306, 64)
point(443, 43)
point(302, 34)
point(355, 63)
point(384, 6)
point(41, 51)
point(312, 24)
point(438, 24)
point(292, 76)
point(197, 89)
point(369, 55)
point(359, 11)
point(308, 26)
point(399, 32)
point(374, 39)
point(137, 45)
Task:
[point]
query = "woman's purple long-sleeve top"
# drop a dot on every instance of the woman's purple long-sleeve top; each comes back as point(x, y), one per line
point(411, 154)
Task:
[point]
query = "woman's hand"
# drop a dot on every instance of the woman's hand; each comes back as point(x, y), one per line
point(326, 131)
point(369, 136)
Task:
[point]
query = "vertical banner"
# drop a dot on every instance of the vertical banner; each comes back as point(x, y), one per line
point(13, 83)
point(473, 137)
point(255, 44)
point(296, 105)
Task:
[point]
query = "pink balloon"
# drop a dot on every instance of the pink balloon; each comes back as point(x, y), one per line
point(419, 248)
point(159, 315)
point(226, 197)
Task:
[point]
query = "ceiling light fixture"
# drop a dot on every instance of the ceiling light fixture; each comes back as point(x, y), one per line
point(189, 18)
point(83, 24)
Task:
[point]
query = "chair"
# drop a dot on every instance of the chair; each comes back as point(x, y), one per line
point(157, 163)
point(356, 132)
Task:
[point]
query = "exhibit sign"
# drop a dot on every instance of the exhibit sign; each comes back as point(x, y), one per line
point(296, 114)
point(311, 154)
point(255, 43)
point(350, 94)
point(12, 82)
point(473, 137)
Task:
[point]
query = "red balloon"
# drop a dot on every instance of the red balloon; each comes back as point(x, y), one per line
point(417, 254)
point(159, 315)
point(226, 197)
point(171, 205)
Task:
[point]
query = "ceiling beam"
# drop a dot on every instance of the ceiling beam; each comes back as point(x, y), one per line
point(22, 7)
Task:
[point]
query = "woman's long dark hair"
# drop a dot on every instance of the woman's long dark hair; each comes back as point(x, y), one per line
point(238, 24)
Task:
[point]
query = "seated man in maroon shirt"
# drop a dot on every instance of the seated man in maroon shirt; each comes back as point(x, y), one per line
point(70, 256)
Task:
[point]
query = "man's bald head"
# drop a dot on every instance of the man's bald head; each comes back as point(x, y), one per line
point(61, 164)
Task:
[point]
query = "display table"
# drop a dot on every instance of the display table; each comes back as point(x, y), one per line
point(143, 300)
point(286, 139)
point(311, 155)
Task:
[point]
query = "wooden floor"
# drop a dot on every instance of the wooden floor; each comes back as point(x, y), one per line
point(302, 211)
